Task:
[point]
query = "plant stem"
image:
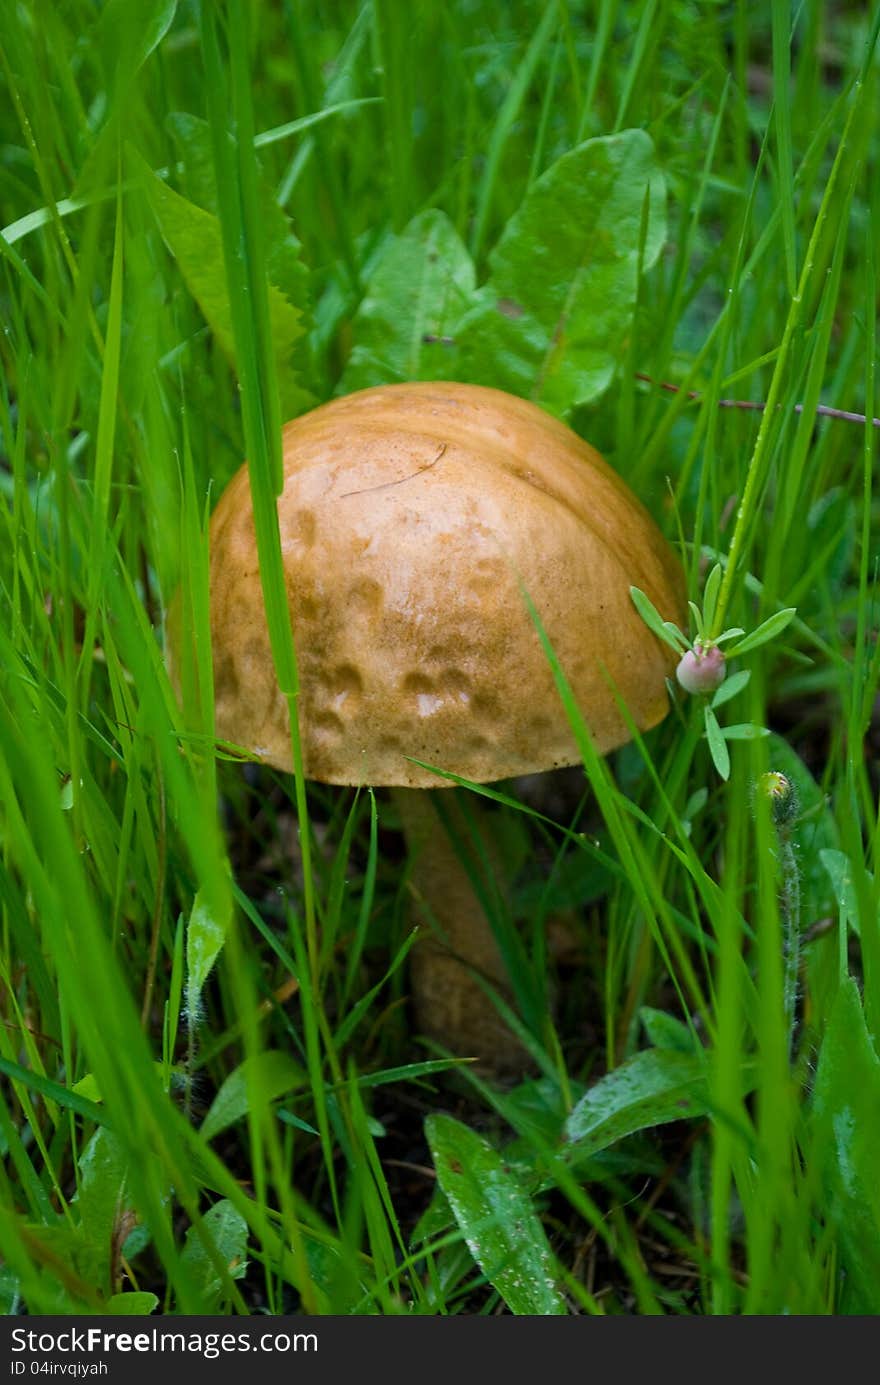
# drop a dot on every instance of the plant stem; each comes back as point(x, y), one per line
point(451, 1005)
point(791, 928)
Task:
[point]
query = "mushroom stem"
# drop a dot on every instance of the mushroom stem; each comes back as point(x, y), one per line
point(458, 943)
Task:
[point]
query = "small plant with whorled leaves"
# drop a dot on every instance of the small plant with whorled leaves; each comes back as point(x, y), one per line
point(702, 667)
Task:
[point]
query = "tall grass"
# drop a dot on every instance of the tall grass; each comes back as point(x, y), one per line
point(213, 1098)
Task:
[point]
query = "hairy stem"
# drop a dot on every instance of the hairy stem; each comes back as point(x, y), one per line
point(790, 910)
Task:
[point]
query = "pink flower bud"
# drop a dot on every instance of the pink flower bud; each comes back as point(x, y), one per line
point(702, 670)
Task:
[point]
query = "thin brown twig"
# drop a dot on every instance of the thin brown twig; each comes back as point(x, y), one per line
point(821, 410)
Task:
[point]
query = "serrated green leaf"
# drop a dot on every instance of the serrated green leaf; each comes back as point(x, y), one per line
point(272, 1073)
point(205, 936)
point(731, 686)
point(656, 1086)
point(717, 746)
point(495, 1216)
point(767, 630)
point(552, 321)
point(416, 294)
point(653, 619)
point(193, 236)
point(284, 263)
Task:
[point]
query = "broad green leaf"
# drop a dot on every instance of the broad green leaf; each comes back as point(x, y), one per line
point(847, 1122)
point(837, 865)
point(205, 936)
point(538, 1109)
point(552, 322)
point(663, 629)
point(767, 630)
point(416, 294)
point(193, 237)
point(227, 1230)
point(717, 746)
point(102, 1203)
point(656, 1086)
point(331, 1270)
point(140, 1303)
point(665, 1031)
point(495, 1216)
point(272, 1074)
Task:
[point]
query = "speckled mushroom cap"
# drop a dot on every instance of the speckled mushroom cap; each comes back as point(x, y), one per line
point(409, 518)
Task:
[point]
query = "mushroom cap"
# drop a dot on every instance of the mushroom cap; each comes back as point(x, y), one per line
point(411, 518)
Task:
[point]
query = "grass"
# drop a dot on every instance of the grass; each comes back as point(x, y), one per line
point(214, 1098)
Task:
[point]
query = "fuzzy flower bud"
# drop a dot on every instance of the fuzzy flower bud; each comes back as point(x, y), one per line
point(702, 670)
point(781, 794)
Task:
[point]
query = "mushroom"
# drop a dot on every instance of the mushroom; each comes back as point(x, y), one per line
point(411, 518)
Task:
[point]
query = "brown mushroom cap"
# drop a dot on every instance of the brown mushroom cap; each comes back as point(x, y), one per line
point(410, 515)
